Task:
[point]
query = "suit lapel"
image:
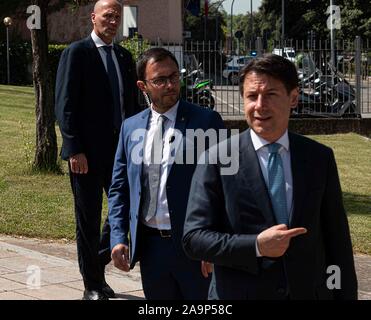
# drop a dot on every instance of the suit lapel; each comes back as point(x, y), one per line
point(181, 122)
point(250, 174)
point(120, 59)
point(97, 61)
point(181, 118)
point(143, 124)
point(299, 178)
point(122, 64)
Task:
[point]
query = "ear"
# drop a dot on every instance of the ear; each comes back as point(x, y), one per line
point(92, 16)
point(142, 85)
point(294, 98)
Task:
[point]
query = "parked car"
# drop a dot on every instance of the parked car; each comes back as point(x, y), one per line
point(289, 53)
point(233, 66)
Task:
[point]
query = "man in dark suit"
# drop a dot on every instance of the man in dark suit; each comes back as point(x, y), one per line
point(152, 174)
point(95, 90)
point(276, 229)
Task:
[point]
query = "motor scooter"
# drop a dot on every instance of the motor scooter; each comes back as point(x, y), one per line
point(196, 90)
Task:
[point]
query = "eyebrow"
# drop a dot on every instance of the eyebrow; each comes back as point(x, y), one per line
point(170, 75)
point(269, 90)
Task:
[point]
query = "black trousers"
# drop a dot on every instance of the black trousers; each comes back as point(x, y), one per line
point(93, 245)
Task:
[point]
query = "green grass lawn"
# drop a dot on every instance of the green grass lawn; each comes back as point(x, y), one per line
point(40, 205)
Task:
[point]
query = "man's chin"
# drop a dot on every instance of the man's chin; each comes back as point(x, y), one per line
point(170, 100)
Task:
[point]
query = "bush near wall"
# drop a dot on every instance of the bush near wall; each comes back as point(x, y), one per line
point(54, 53)
point(20, 56)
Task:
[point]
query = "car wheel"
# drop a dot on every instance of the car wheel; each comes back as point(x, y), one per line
point(233, 78)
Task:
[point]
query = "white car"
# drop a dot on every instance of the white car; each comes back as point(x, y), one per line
point(233, 67)
point(289, 53)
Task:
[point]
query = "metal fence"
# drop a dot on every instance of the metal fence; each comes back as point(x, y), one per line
point(334, 81)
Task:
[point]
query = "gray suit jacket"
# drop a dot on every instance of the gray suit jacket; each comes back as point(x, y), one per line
point(226, 213)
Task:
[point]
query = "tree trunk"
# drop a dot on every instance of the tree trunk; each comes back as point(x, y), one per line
point(46, 140)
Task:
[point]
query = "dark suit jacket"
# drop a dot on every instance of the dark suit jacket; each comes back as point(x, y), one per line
point(125, 192)
point(84, 103)
point(226, 213)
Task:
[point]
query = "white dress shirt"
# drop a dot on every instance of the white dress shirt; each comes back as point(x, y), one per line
point(162, 218)
point(99, 43)
point(261, 149)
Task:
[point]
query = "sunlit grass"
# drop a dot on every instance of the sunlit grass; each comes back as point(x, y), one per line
point(40, 205)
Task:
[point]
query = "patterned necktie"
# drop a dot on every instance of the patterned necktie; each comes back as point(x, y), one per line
point(277, 188)
point(114, 83)
point(154, 168)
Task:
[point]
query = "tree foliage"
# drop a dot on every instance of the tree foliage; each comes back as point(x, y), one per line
point(136, 46)
point(303, 16)
point(215, 25)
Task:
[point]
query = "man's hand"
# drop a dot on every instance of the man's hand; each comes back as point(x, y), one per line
point(120, 257)
point(206, 268)
point(79, 163)
point(273, 242)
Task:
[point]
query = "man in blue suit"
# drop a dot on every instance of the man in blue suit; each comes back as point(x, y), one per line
point(149, 195)
point(95, 90)
point(277, 229)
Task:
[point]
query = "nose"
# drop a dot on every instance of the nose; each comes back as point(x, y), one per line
point(259, 104)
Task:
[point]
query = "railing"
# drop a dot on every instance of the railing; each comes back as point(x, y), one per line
point(333, 83)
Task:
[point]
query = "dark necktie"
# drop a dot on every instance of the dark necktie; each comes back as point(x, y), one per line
point(277, 188)
point(115, 88)
point(154, 168)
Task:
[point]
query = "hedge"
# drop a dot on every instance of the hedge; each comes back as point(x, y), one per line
point(20, 56)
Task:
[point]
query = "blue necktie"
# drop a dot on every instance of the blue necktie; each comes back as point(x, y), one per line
point(114, 83)
point(277, 188)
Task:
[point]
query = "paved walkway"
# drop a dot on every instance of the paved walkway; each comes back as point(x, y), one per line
point(32, 269)
point(23, 259)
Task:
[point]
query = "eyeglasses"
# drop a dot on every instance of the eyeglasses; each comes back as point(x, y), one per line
point(161, 82)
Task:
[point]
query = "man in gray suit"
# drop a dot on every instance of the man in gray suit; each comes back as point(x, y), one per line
point(277, 229)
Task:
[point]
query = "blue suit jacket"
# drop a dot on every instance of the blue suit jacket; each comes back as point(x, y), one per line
point(84, 103)
point(125, 192)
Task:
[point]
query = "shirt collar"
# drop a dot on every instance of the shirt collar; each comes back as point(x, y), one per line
point(170, 114)
point(98, 41)
point(258, 142)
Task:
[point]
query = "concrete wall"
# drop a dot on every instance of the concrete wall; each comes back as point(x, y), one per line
point(317, 126)
point(157, 19)
point(66, 26)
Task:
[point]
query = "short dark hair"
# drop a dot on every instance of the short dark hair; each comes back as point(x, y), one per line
point(156, 54)
point(275, 66)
